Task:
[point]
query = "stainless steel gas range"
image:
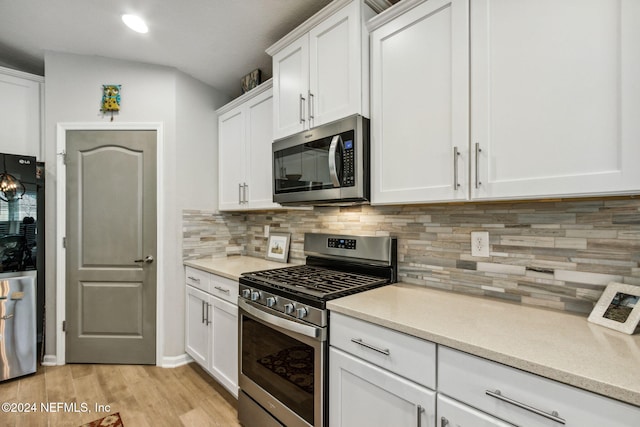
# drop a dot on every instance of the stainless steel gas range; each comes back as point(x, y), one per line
point(284, 326)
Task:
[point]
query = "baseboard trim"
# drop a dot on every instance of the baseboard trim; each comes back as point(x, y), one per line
point(49, 360)
point(175, 361)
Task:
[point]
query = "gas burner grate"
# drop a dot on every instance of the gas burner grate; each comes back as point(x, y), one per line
point(320, 282)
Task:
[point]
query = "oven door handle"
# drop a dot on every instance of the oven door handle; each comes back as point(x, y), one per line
point(289, 325)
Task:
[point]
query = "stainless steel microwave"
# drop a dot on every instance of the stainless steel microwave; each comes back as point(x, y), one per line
point(326, 165)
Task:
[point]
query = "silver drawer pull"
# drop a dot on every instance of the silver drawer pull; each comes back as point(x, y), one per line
point(226, 291)
point(552, 416)
point(194, 279)
point(359, 341)
point(419, 411)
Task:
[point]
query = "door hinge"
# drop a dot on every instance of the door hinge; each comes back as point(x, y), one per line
point(64, 242)
point(64, 326)
point(63, 155)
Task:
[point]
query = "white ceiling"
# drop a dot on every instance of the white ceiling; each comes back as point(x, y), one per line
point(215, 41)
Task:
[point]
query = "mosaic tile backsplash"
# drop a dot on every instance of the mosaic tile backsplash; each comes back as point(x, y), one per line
point(558, 255)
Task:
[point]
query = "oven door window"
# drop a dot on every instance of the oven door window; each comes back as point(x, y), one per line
point(308, 166)
point(281, 365)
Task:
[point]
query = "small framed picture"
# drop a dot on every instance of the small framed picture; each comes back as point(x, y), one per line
point(251, 80)
point(278, 246)
point(618, 308)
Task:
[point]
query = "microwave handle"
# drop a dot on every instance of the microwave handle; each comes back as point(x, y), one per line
point(333, 171)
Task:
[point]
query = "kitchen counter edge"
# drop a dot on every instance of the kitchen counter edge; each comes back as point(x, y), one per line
point(233, 266)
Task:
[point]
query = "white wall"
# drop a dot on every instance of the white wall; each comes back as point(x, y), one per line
point(73, 91)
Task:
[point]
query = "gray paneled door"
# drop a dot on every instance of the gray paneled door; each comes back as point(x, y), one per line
point(111, 243)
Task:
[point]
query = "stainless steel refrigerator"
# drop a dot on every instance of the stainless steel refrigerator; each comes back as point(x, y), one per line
point(20, 239)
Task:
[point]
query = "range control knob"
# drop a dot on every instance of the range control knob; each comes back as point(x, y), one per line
point(271, 301)
point(288, 308)
point(246, 293)
point(255, 295)
point(301, 313)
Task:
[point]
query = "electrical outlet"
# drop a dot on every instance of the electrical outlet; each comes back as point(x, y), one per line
point(480, 243)
point(266, 231)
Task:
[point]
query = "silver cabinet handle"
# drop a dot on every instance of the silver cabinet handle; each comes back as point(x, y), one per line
point(419, 412)
point(444, 422)
point(478, 151)
point(244, 192)
point(456, 184)
point(311, 97)
point(195, 279)
point(226, 291)
point(239, 193)
point(147, 260)
point(202, 311)
point(359, 341)
point(552, 416)
point(206, 320)
point(301, 109)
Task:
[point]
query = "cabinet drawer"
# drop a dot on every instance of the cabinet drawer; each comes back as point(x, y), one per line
point(224, 288)
point(526, 399)
point(402, 354)
point(455, 414)
point(197, 278)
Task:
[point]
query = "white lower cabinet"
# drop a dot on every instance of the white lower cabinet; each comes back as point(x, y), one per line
point(224, 345)
point(382, 377)
point(455, 414)
point(379, 377)
point(211, 327)
point(362, 394)
point(525, 399)
point(197, 330)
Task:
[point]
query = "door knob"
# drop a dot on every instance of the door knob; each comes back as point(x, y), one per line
point(148, 259)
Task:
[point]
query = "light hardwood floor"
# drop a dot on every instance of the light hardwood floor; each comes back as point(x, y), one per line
point(145, 396)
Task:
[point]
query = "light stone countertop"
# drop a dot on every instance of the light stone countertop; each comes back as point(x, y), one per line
point(232, 267)
point(560, 346)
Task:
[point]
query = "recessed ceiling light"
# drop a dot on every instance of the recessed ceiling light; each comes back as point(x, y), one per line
point(135, 23)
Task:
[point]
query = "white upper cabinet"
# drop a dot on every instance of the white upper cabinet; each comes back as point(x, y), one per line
point(546, 105)
point(555, 97)
point(20, 109)
point(244, 148)
point(291, 83)
point(321, 69)
point(420, 103)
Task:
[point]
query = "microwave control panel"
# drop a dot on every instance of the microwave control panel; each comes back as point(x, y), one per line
point(349, 172)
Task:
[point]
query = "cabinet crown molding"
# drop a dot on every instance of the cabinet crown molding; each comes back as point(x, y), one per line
point(377, 5)
point(262, 87)
point(391, 13)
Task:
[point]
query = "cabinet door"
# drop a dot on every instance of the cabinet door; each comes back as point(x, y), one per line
point(224, 346)
point(20, 112)
point(197, 330)
point(290, 88)
point(335, 67)
point(419, 100)
point(259, 136)
point(555, 97)
point(231, 159)
point(455, 414)
point(361, 394)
